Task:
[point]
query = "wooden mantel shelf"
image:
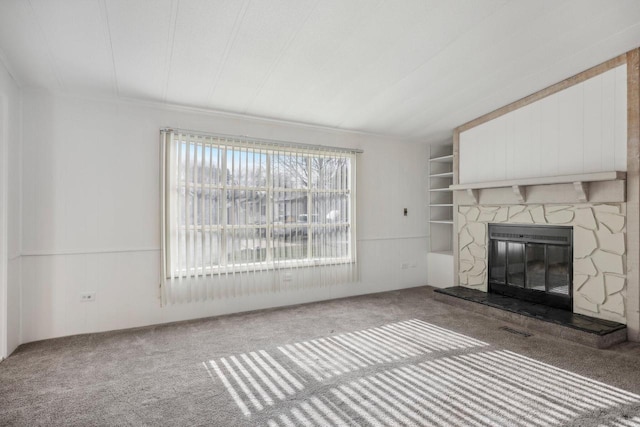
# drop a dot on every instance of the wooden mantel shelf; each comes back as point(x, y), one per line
point(579, 181)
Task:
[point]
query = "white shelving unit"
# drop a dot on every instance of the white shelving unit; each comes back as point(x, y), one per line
point(440, 257)
point(441, 198)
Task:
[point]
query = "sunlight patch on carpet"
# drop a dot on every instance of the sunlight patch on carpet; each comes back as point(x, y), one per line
point(254, 380)
point(465, 391)
point(434, 377)
point(335, 355)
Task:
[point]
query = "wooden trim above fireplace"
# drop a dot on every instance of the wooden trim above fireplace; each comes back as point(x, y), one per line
point(581, 185)
point(571, 81)
point(560, 179)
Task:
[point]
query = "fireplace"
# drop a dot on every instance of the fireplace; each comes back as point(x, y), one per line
point(532, 263)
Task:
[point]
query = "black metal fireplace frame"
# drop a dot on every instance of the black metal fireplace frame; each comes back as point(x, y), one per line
point(540, 234)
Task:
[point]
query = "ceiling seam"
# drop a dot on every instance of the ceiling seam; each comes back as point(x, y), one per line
point(109, 42)
point(526, 77)
point(404, 120)
point(61, 49)
point(278, 59)
point(44, 41)
point(220, 113)
point(432, 57)
point(374, 63)
point(472, 107)
point(5, 63)
point(330, 63)
point(170, 45)
point(227, 49)
point(4, 60)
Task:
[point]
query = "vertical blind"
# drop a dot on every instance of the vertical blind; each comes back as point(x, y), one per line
point(244, 216)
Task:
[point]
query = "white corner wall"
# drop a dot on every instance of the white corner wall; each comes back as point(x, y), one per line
point(91, 213)
point(10, 265)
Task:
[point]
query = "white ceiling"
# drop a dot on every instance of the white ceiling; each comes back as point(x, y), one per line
point(410, 68)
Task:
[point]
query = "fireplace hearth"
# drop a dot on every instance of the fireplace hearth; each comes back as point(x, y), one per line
point(532, 262)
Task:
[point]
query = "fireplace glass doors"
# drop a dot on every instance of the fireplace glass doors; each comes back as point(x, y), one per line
point(532, 263)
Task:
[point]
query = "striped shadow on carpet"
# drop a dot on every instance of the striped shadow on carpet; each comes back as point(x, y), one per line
point(410, 373)
point(326, 357)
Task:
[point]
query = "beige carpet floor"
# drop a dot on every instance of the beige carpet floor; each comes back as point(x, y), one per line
point(390, 359)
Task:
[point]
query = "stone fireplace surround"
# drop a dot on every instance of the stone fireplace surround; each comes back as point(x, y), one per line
point(607, 295)
point(599, 249)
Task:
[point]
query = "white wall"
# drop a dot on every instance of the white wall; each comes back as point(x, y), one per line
point(10, 264)
point(91, 213)
point(581, 129)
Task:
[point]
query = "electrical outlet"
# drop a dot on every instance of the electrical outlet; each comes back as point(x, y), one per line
point(404, 266)
point(87, 296)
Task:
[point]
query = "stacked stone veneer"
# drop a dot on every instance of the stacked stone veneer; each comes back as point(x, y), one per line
point(599, 280)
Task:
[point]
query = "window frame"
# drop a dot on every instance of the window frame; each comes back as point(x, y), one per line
point(172, 185)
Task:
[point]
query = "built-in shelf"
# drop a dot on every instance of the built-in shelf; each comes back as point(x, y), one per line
point(442, 175)
point(440, 272)
point(447, 253)
point(447, 158)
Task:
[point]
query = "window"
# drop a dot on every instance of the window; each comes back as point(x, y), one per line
point(233, 205)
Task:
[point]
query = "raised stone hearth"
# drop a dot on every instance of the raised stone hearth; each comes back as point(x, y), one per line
point(598, 333)
point(599, 272)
